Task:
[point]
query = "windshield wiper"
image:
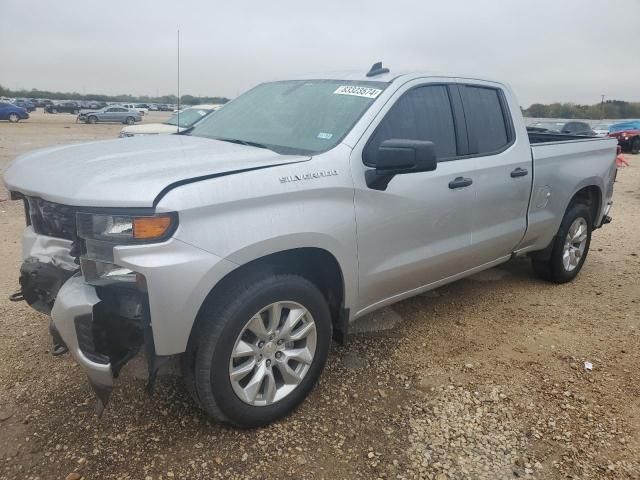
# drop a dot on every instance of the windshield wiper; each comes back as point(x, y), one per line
point(242, 142)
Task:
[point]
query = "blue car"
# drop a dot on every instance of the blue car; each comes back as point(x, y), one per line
point(12, 112)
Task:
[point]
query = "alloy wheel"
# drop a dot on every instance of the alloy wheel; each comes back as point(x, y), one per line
point(574, 244)
point(273, 353)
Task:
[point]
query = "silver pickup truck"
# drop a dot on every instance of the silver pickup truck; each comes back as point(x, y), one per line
point(248, 242)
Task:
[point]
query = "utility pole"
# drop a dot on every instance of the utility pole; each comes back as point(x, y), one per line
point(602, 107)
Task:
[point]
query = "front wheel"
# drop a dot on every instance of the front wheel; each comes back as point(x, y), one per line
point(130, 120)
point(570, 246)
point(92, 119)
point(260, 351)
point(635, 146)
point(14, 117)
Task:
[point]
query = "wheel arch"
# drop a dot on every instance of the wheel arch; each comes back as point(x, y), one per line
point(316, 264)
point(590, 195)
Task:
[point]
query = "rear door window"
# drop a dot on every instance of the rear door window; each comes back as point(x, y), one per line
point(422, 113)
point(488, 122)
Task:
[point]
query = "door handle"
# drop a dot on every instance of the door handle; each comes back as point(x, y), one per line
point(460, 182)
point(519, 172)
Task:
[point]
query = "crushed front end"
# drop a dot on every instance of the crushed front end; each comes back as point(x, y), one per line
point(99, 310)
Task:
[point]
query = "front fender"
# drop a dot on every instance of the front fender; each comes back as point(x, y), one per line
point(339, 250)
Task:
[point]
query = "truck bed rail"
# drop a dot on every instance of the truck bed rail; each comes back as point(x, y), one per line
point(543, 137)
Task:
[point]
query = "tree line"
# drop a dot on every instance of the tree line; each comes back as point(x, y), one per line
point(611, 109)
point(170, 99)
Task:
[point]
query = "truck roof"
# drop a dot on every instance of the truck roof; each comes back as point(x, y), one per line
point(389, 77)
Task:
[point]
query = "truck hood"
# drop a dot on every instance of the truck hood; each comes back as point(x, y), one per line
point(130, 172)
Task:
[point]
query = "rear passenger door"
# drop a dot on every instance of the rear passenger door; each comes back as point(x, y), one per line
point(504, 170)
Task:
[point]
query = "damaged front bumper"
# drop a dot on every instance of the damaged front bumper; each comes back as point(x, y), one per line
point(73, 318)
point(125, 299)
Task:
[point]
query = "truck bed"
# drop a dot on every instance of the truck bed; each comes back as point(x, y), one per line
point(563, 164)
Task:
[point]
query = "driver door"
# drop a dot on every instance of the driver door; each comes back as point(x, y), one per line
point(417, 231)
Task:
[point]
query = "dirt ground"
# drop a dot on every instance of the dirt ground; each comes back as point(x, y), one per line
point(484, 378)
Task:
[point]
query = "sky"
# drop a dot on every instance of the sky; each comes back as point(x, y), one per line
point(548, 50)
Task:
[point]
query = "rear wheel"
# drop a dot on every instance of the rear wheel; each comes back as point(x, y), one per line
point(130, 120)
point(92, 119)
point(259, 352)
point(635, 146)
point(14, 117)
point(570, 246)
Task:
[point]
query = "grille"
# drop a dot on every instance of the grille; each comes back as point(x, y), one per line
point(52, 219)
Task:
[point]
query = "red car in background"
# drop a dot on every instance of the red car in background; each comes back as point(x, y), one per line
point(628, 135)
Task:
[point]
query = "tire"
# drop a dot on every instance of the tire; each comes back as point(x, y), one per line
point(223, 326)
point(14, 117)
point(563, 265)
point(635, 146)
point(130, 120)
point(54, 110)
point(92, 119)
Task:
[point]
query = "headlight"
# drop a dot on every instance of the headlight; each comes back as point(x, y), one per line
point(123, 229)
point(102, 232)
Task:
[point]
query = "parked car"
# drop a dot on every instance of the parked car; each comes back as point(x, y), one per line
point(13, 113)
point(570, 128)
point(601, 129)
point(628, 135)
point(177, 123)
point(235, 244)
point(110, 114)
point(163, 107)
point(63, 107)
point(134, 106)
point(42, 102)
point(26, 104)
point(153, 107)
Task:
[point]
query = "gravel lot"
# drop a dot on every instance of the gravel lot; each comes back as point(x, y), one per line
point(483, 378)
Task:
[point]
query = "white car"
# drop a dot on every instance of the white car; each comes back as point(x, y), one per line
point(602, 129)
point(178, 122)
point(136, 107)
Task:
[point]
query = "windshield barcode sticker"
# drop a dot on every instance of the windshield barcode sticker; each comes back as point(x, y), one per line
point(366, 92)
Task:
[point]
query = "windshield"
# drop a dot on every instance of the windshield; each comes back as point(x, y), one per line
point(188, 117)
point(292, 117)
point(601, 126)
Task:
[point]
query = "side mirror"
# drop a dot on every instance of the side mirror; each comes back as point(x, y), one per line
point(395, 157)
